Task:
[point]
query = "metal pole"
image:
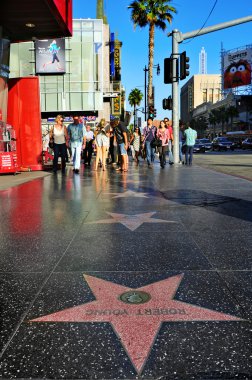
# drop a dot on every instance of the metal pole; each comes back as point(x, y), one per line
point(145, 93)
point(175, 105)
point(213, 28)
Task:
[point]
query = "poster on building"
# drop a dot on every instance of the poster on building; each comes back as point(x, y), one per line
point(237, 68)
point(50, 56)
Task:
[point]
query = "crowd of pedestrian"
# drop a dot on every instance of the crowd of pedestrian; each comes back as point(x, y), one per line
point(111, 143)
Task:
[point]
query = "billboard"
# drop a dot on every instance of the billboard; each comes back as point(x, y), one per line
point(117, 60)
point(237, 68)
point(111, 53)
point(116, 106)
point(50, 56)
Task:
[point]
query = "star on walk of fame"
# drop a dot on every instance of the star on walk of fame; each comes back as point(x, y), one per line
point(129, 193)
point(135, 314)
point(132, 222)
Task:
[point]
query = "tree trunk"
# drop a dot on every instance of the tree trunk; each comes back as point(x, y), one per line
point(99, 9)
point(134, 116)
point(150, 66)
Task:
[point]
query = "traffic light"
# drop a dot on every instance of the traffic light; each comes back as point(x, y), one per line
point(167, 103)
point(184, 65)
point(155, 112)
point(151, 111)
point(167, 70)
point(168, 75)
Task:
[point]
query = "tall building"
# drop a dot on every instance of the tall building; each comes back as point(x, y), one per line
point(202, 61)
point(197, 90)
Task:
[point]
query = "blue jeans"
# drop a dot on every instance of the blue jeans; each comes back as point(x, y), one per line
point(189, 151)
point(170, 151)
point(180, 151)
point(149, 152)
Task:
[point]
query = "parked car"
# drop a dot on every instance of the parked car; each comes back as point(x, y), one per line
point(207, 144)
point(198, 147)
point(237, 142)
point(247, 143)
point(222, 143)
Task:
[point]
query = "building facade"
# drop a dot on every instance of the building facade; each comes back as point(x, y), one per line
point(85, 86)
point(199, 89)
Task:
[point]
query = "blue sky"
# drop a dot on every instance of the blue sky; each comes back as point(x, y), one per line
point(191, 16)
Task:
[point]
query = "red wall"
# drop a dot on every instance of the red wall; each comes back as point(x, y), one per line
point(24, 116)
point(64, 8)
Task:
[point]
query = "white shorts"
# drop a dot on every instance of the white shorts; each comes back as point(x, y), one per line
point(102, 140)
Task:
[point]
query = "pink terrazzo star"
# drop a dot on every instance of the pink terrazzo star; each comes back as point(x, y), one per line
point(132, 222)
point(136, 324)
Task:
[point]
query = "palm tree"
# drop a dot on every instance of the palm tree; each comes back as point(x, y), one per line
point(154, 13)
point(231, 113)
point(100, 11)
point(134, 99)
point(223, 118)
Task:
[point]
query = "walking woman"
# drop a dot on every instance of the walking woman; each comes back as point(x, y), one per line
point(102, 143)
point(164, 135)
point(58, 134)
point(136, 142)
point(88, 145)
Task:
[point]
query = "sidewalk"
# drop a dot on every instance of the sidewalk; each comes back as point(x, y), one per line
point(11, 180)
point(141, 275)
point(237, 163)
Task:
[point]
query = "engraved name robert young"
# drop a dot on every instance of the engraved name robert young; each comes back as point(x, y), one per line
point(142, 312)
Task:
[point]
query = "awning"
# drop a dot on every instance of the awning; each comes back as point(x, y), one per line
point(26, 20)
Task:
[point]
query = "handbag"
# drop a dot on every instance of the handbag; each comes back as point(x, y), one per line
point(51, 143)
point(156, 143)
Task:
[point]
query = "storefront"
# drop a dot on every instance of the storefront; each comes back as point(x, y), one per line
point(21, 21)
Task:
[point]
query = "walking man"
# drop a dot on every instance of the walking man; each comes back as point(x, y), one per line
point(121, 138)
point(75, 133)
point(149, 135)
point(190, 135)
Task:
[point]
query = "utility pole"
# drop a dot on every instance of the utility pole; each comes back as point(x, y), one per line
point(178, 37)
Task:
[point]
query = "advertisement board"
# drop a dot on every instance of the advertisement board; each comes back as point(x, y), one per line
point(237, 68)
point(50, 56)
point(111, 54)
point(116, 106)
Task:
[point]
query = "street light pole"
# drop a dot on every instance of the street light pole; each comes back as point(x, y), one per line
point(175, 92)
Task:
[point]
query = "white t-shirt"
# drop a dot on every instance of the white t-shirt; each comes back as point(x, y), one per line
point(59, 135)
point(89, 135)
